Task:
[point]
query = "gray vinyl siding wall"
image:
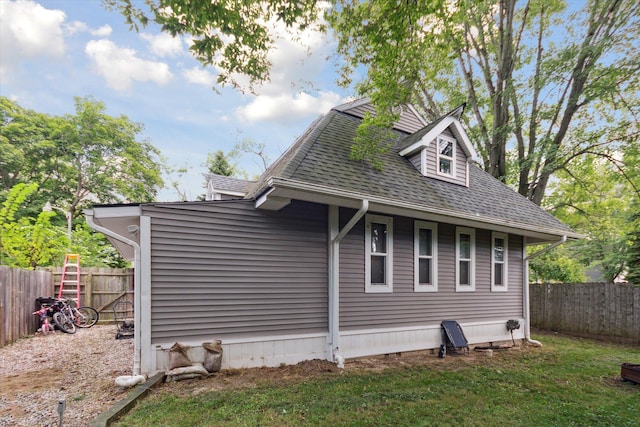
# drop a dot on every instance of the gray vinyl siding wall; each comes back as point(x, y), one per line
point(227, 270)
point(460, 160)
point(404, 307)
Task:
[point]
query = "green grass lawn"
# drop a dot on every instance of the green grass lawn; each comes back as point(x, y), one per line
point(569, 381)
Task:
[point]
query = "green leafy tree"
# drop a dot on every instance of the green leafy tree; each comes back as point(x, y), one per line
point(633, 274)
point(219, 164)
point(89, 156)
point(231, 35)
point(94, 249)
point(75, 160)
point(27, 242)
point(596, 196)
point(556, 266)
point(552, 83)
point(101, 160)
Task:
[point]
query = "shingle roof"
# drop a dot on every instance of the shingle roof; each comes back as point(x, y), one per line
point(321, 157)
point(222, 182)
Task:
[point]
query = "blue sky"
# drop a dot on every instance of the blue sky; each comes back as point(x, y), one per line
point(52, 51)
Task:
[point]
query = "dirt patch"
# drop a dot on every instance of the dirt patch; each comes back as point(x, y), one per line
point(234, 379)
point(36, 372)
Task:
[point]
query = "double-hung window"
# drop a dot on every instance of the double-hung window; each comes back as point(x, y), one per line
point(499, 262)
point(378, 254)
point(446, 153)
point(425, 257)
point(465, 259)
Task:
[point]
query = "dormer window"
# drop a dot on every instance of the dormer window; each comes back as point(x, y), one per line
point(446, 156)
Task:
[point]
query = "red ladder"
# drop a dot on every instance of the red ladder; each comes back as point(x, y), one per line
point(71, 276)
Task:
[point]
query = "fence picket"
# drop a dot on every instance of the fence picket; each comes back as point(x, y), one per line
point(20, 288)
point(610, 310)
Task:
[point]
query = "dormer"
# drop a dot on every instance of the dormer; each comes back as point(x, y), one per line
point(441, 150)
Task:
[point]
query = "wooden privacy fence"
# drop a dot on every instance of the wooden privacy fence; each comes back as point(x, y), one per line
point(601, 310)
point(18, 292)
point(101, 287)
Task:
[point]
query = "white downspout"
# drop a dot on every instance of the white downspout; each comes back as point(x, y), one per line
point(335, 236)
point(527, 308)
point(137, 284)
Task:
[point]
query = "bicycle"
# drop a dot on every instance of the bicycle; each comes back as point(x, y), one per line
point(45, 326)
point(67, 317)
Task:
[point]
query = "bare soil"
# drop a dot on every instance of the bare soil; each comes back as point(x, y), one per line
point(249, 378)
point(36, 372)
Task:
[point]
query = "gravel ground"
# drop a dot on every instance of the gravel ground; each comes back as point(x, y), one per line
point(36, 372)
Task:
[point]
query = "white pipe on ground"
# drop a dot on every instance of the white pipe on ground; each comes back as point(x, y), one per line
point(130, 380)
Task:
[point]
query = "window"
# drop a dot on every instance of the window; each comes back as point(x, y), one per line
point(499, 259)
point(378, 254)
point(465, 259)
point(425, 257)
point(446, 156)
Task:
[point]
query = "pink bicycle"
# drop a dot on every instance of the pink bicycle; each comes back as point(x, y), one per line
point(45, 326)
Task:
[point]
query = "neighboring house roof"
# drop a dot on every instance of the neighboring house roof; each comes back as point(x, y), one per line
point(319, 165)
point(228, 185)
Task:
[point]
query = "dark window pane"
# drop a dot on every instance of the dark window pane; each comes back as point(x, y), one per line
point(465, 246)
point(445, 166)
point(378, 238)
point(424, 271)
point(498, 250)
point(445, 147)
point(464, 273)
point(425, 242)
point(498, 274)
point(378, 270)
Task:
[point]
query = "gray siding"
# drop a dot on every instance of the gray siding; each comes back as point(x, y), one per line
point(226, 269)
point(416, 161)
point(461, 163)
point(404, 307)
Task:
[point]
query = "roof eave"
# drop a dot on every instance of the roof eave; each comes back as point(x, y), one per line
point(281, 190)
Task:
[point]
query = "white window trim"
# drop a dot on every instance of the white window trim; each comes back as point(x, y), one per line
point(472, 264)
point(505, 263)
point(388, 286)
point(433, 286)
point(452, 158)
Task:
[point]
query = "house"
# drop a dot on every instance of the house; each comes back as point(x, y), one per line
point(325, 257)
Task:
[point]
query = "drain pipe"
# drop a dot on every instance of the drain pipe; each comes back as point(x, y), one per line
point(335, 237)
point(527, 308)
point(136, 281)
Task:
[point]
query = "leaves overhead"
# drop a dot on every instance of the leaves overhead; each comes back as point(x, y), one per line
point(544, 84)
point(231, 35)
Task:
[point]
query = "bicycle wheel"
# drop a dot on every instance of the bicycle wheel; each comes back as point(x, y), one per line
point(64, 323)
point(85, 317)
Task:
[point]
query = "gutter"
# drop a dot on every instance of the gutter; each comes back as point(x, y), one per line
point(525, 285)
point(335, 237)
point(439, 213)
point(136, 279)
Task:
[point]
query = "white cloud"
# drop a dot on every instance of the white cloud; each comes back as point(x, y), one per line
point(199, 75)
point(75, 27)
point(104, 31)
point(28, 30)
point(287, 108)
point(163, 44)
point(120, 66)
point(298, 62)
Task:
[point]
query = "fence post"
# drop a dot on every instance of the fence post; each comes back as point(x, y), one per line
point(88, 290)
